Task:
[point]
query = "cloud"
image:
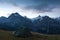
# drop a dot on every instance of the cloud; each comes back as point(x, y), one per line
point(38, 5)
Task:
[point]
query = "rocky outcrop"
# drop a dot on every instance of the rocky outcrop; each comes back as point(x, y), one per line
point(22, 32)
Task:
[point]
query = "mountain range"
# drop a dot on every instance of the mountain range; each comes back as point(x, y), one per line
point(43, 24)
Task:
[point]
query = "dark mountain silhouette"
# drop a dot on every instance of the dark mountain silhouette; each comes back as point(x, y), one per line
point(47, 25)
point(14, 21)
point(39, 24)
point(3, 19)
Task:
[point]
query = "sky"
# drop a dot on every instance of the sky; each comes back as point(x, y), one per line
point(30, 8)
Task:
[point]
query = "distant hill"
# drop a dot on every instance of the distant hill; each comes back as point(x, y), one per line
point(39, 24)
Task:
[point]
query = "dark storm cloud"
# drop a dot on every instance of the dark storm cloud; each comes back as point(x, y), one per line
point(40, 5)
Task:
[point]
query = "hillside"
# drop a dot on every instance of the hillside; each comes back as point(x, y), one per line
point(7, 35)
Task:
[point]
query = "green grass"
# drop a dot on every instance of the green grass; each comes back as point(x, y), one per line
point(7, 35)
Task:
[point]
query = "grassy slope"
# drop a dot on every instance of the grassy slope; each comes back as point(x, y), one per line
point(7, 35)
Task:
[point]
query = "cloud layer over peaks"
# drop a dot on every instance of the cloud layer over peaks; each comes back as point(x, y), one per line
point(39, 5)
